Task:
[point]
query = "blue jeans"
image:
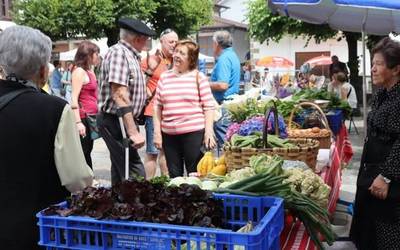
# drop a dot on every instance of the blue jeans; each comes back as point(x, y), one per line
point(221, 126)
point(149, 126)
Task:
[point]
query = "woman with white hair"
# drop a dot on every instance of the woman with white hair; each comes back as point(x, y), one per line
point(41, 158)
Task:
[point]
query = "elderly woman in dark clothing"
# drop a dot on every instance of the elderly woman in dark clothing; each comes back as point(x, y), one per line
point(376, 221)
point(41, 158)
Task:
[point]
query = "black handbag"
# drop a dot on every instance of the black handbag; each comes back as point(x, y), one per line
point(141, 119)
point(93, 129)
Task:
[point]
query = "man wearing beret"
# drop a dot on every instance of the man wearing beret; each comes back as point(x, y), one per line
point(123, 88)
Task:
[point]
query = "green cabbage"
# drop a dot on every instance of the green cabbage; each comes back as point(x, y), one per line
point(177, 181)
point(209, 185)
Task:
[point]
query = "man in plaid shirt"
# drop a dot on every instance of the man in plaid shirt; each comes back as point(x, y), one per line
point(123, 87)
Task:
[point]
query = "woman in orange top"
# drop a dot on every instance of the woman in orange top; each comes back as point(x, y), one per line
point(153, 67)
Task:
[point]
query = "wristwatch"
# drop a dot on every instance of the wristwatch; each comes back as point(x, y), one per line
point(386, 180)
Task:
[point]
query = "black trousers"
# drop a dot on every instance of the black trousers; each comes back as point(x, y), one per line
point(182, 149)
point(110, 130)
point(87, 143)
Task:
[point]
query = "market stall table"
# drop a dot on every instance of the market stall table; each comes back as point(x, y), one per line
point(294, 235)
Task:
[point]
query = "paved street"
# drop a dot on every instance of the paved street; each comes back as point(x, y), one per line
point(102, 164)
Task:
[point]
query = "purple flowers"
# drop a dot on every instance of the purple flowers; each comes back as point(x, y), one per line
point(255, 124)
point(251, 125)
point(232, 129)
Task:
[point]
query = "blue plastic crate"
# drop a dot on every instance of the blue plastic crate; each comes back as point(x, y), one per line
point(76, 232)
point(335, 120)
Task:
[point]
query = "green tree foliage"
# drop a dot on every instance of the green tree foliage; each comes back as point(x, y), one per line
point(60, 19)
point(266, 26)
point(184, 16)
point(66, 19)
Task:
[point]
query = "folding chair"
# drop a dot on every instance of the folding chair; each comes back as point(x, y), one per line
point(351, 121)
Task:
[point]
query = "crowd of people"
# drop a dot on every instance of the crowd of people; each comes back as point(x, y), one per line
point(50, 117)
point(282, 85)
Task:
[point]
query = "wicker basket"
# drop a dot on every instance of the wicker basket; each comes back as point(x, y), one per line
point(306, 150)
point(324, 139)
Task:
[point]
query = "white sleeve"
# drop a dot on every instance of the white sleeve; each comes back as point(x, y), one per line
point(347, 88)
point(71, 165)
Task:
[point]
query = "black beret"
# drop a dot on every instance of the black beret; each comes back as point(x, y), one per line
point(135, 26)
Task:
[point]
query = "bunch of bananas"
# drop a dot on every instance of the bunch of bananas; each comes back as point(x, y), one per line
point(207, 164)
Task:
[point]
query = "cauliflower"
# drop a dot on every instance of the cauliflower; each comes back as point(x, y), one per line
point(308, 183)
point(240, 174)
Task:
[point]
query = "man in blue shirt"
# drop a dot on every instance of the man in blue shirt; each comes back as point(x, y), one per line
point(225, 78)
point(55, 80)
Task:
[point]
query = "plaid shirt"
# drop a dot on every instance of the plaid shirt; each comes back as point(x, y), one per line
point(121, 65)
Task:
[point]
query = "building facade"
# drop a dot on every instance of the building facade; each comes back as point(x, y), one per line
point(5, 7)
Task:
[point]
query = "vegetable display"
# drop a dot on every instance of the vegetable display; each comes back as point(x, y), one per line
point(269, 181)
point(144, 201)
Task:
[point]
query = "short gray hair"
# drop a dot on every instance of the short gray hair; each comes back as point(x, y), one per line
point(23, 51)
point(127, 34)
point(223, 38)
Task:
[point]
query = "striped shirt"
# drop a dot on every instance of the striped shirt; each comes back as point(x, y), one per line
point(121, 65)
point(183, 102)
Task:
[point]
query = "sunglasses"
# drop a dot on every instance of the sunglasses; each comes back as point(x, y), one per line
point(166, 31)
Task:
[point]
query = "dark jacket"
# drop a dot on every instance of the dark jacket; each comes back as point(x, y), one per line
point(29, 180)
point(380, 156)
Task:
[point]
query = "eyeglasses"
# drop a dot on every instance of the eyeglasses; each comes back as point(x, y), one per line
point(166, 31)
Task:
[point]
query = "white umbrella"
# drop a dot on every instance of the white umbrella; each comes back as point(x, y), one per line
point(377, 17)
point(70, 54)
point(208, 59)
point(5, 24)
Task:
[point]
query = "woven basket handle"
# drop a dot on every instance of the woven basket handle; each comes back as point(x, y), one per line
point(302, 104)
point(273, 110)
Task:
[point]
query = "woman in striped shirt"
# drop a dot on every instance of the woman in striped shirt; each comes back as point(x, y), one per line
point(183, 111)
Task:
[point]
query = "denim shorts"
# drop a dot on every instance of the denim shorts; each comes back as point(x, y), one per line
point(150, 148)
point(221, 126)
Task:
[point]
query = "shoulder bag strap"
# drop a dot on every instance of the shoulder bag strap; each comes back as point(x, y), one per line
point(7, 98)
point(158, 64)
point(198, 84)
point(348, 94)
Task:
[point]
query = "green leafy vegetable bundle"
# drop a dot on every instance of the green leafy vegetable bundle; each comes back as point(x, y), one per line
point(241, 111)
point(334, 101)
